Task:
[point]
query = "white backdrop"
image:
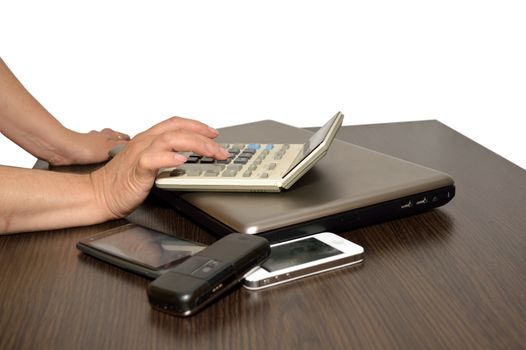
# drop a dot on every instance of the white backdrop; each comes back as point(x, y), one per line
point(129, 64)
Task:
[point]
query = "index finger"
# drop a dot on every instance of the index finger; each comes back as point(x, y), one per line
point(163, 150)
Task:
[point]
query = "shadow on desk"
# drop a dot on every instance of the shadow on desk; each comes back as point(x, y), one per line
point(405, 234)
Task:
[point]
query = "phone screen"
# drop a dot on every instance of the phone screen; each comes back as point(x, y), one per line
point(152, 249)
point(298, 252)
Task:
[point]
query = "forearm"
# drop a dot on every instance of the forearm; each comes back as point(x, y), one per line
point(33, 200)
point(26, 122)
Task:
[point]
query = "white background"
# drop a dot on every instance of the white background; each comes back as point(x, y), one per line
point(130, 64)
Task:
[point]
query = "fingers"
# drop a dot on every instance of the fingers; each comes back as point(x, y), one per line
point(184, 141)
point(163, 149)
point(183, 124)
point(115, 135)
point(153, 161)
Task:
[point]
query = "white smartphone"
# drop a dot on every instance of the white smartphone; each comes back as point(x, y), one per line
point(303, 257)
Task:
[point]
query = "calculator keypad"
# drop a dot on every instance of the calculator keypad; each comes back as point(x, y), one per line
point(245, 160)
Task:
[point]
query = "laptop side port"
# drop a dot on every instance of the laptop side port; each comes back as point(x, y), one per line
point(422, 201)
point(407, 204)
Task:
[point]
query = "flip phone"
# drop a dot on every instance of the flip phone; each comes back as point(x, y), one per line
point(202, 278)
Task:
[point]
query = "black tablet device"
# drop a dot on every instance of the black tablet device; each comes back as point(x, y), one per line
point(138, 249)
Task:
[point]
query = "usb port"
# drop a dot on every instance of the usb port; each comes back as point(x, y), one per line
point(422, 201)
point(409, 204)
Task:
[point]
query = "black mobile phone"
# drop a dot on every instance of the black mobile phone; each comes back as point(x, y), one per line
point(202, 278)
point(138, 249)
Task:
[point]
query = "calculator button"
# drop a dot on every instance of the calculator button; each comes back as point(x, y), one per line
point(192, 160)
point(246, 154)
point(229, 173)
point(193, 172)
point(177, 172)
point(202, 167)
point(241, 160)
point(236, 167)
point(211, 173)
point(207, 160)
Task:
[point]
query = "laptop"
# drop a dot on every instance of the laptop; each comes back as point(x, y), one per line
point(251, 167)
point(350, 187)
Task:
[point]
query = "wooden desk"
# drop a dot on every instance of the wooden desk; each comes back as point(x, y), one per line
point(447, 279)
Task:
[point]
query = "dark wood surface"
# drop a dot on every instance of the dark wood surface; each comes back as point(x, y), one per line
point(451, 278)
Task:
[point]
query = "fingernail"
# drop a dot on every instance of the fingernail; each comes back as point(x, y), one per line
point(214, 131)
point(179, 157)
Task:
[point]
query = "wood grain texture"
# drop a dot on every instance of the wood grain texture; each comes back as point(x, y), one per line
point(452, 278)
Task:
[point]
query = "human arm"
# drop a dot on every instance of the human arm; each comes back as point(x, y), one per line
point(27, 123)
point(39, 200)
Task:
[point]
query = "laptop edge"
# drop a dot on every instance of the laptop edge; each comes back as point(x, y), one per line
point(369, 187)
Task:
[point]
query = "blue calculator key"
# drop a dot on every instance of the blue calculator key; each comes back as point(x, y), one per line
point(253, 146)
point(269, 146)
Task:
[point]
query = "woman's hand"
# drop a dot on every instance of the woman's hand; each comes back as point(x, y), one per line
point(121, 185)
point(27, 123)
point(87, 148)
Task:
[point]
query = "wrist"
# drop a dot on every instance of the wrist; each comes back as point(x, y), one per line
point(55, 145)
point(101, 196)
point(66, 148)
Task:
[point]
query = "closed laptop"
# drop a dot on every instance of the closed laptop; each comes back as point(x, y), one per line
point(350, 187)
